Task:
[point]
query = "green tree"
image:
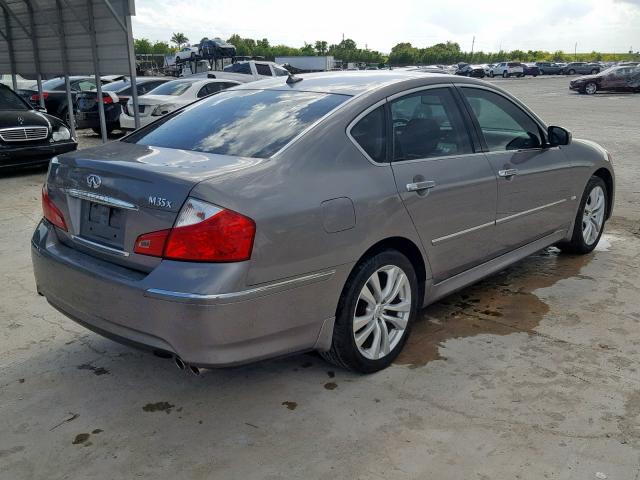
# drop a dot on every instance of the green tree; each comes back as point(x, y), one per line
point(142, 45)
point(179, 39)
point(307, 49)
point(320, 47)
point(161, 48)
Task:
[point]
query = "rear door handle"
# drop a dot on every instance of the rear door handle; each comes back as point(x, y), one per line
point(509, 172)
point(417, 186)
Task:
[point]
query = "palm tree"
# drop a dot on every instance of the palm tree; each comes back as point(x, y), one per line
point(179, 39)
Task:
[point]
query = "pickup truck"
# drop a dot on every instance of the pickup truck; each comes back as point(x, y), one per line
point(249, 71)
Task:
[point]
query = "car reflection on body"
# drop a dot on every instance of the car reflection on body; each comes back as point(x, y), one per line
point(318, 212)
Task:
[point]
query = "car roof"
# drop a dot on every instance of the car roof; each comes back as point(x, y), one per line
point(347, 82)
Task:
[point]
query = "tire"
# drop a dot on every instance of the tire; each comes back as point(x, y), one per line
point(491, 74)
point(344, 351)
point(535, 74)
point(578, 244)
point(541, 72)
point(110, 128)
point(590, 88)
point(594, 71)
point(571, 72)
point(505, 74)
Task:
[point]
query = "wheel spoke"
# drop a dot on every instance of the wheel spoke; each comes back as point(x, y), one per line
point(374, 351)
point(400, 279)
point(367, 296)
point(398, 322)
point(384, 332)
point(366, 332)
point(398, 307)
point(374, 281)
point(586, 231)
point(596, 226)
point(359, 322)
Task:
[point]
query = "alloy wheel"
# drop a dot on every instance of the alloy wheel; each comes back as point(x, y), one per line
point(590, 88)
point(593, 215)
point(382, 312)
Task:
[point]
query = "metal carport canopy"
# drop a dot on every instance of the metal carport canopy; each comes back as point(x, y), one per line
point(68, 37)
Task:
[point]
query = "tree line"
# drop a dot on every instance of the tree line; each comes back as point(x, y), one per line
point(401, 54)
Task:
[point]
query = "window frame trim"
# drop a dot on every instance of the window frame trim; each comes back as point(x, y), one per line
point(360, 116)
point(521, 106)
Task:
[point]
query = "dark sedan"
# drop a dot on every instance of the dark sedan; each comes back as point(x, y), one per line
point(27, 136)
point(530, 69)
point(55, 94)
point(115, 96)
point(621, 79)
point(467, 70)
point(549, 68)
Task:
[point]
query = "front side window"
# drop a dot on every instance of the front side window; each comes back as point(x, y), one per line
point(174, 88)
point(428, 124)
point(371, 134)
point(243, 68)
point(246, 123)
point(263, 69)
point(504, 125)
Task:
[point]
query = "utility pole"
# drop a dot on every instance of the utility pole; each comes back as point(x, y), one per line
point(473, 42)
point(575, 52)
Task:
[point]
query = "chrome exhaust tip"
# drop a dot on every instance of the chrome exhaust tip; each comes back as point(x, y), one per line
point(179, 363)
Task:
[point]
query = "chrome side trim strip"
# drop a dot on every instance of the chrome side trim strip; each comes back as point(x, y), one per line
point(439, 240)
point(241, 295)
point(527, 212)
point(99, 247)
point(99, 198)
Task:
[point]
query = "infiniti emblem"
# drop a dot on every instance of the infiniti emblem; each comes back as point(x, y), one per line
point(94, 181)
point(20, 120)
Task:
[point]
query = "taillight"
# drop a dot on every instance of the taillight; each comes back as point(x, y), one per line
point(202, 233)
point(106, 99)
point(50, 211)
point(36, 97)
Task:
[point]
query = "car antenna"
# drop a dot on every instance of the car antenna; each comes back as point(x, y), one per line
point(291, 79)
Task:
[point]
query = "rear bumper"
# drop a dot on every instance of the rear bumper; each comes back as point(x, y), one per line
point(129, 123)
point(91, 119)
point(24, 155)
point(206, 330)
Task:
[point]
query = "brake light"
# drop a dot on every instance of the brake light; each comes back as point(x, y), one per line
point(204, 233)
point(51, 212)
point(106, 99)
point(36, 97)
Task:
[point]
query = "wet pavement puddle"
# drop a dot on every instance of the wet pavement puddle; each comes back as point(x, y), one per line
point(500, 305)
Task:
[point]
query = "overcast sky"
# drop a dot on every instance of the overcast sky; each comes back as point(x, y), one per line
point(602, 25)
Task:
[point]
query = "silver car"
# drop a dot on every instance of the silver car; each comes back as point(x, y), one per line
point(318, 212)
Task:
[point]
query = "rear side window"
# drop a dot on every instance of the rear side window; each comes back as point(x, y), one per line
point(371, 134)
point(174, 87)
point(263, 69)
point(246, 123)
point(428, 124)
point(504, 125)
point(244, 68)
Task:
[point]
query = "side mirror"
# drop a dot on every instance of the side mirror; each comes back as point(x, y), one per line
point(558, 136)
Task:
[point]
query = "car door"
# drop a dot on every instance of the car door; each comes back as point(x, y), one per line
point(535, 196)
point(448, 188)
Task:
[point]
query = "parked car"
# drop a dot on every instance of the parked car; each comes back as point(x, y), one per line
point(487, 68)
point(28, 136)
point(169, 97)
point(621, 79)
point(530, 69)
point(115, 95)
point(222, 234)
point(549, 68)
point(187, 53)
point(581, 67)
point(215, 49)
point(507, 69)
point(250, 71)
point(55, 94)
point(466, 70)
point(22, 83)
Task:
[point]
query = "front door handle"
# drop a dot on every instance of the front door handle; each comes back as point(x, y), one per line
point(509, 172)
point(417, 186)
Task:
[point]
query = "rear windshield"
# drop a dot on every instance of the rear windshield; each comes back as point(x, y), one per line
point(246, 123)
point(176, 87)
point(10, 101)
point(116, 86)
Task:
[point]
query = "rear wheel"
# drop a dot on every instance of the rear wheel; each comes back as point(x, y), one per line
point(505, 74)
point(491, 74)
point(590, 88)
point(110, 128)
point(541, 72)
point(571, 72)
point(375, 312)
point(594, 71)
point(590, 219)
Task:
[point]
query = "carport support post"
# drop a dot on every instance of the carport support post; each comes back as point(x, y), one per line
point(132, 71)
point(65, 67)
point(36, 52)
point(96, 71)
point(12, 57)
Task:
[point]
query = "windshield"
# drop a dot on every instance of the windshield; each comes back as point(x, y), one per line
point(53, 84)
point(175, 87)
point(246, 123)
point(10, 101)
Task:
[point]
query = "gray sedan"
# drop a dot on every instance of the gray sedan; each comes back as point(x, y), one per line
point(318, 212)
